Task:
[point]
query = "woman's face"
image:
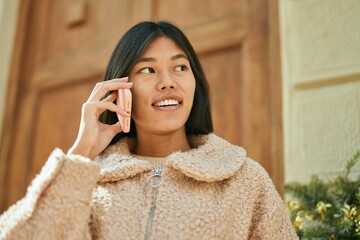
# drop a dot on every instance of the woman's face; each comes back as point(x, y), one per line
point(163, 89)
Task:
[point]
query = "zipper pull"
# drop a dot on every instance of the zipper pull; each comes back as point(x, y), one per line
point(155, 179)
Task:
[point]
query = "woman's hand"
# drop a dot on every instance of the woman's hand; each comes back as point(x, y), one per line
point(94, 136)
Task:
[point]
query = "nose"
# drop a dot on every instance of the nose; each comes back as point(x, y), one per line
point(166, 81)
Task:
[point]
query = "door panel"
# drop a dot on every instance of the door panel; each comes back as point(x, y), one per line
point(188, 14)
point(223, 70)
point(56, 123)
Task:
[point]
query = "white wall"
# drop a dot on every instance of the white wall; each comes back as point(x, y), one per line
point(321, 85)
point(8, 21)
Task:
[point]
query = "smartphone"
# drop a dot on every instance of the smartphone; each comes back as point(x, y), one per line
point(124, 101)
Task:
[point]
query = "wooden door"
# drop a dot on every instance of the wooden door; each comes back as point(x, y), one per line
point(63, 46)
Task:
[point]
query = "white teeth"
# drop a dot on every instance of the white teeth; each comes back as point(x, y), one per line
point(167, 102)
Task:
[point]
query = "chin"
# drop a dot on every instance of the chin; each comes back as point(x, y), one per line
point(162, 125)
point(169, 129)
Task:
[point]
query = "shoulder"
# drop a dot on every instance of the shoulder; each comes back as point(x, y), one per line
point(255, 169)
point(218, 153)
point(255, 174)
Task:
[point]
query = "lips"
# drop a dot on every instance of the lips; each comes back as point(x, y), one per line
point(167, 101)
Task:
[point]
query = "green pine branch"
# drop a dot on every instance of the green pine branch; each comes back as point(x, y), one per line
point(324, 210)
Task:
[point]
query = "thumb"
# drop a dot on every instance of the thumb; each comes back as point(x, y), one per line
point(116, 128)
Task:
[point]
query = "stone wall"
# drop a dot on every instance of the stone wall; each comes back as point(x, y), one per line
point(321, 86)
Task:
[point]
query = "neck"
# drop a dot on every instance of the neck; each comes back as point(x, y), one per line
point(161, 145)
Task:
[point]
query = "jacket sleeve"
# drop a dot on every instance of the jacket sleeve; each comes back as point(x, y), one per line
point(271, 217)
point(57, 202)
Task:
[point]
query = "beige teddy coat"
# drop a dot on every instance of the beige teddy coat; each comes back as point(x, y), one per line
point(212, 191)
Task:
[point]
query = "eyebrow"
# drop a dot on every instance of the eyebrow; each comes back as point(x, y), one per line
point(177, 56)
point(150, 59)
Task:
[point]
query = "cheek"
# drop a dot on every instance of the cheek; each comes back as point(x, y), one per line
point(191, 89)
point(136, 102)
point(139, 99)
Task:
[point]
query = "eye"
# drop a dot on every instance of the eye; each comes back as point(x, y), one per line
point(181, 68)
point(147, 70)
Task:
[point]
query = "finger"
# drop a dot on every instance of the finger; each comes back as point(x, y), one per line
point(111, 97)
point(124, 79)
point(102, 88)
point(102, 106)
point(97, 108)
point(99, 93)
point(116, 127)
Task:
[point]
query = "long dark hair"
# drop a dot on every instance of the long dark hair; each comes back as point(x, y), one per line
point(132, 45)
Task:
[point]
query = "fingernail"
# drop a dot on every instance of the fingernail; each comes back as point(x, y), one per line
point(126, 113)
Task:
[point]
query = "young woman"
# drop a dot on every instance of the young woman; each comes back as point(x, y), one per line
point(170, 177)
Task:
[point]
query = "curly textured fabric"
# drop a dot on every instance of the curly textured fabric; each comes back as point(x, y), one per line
point(57, 203)
point(212, 191)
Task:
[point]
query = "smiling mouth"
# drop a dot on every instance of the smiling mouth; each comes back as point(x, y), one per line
point(167, 103)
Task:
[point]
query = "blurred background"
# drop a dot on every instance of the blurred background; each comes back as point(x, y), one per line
point(284, 77)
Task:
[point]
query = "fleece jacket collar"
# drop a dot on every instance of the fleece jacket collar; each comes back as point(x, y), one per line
point(210, 159)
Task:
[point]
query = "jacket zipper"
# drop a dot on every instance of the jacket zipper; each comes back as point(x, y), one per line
point(154, 181)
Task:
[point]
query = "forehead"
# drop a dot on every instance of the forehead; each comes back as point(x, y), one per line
point(162, 46)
